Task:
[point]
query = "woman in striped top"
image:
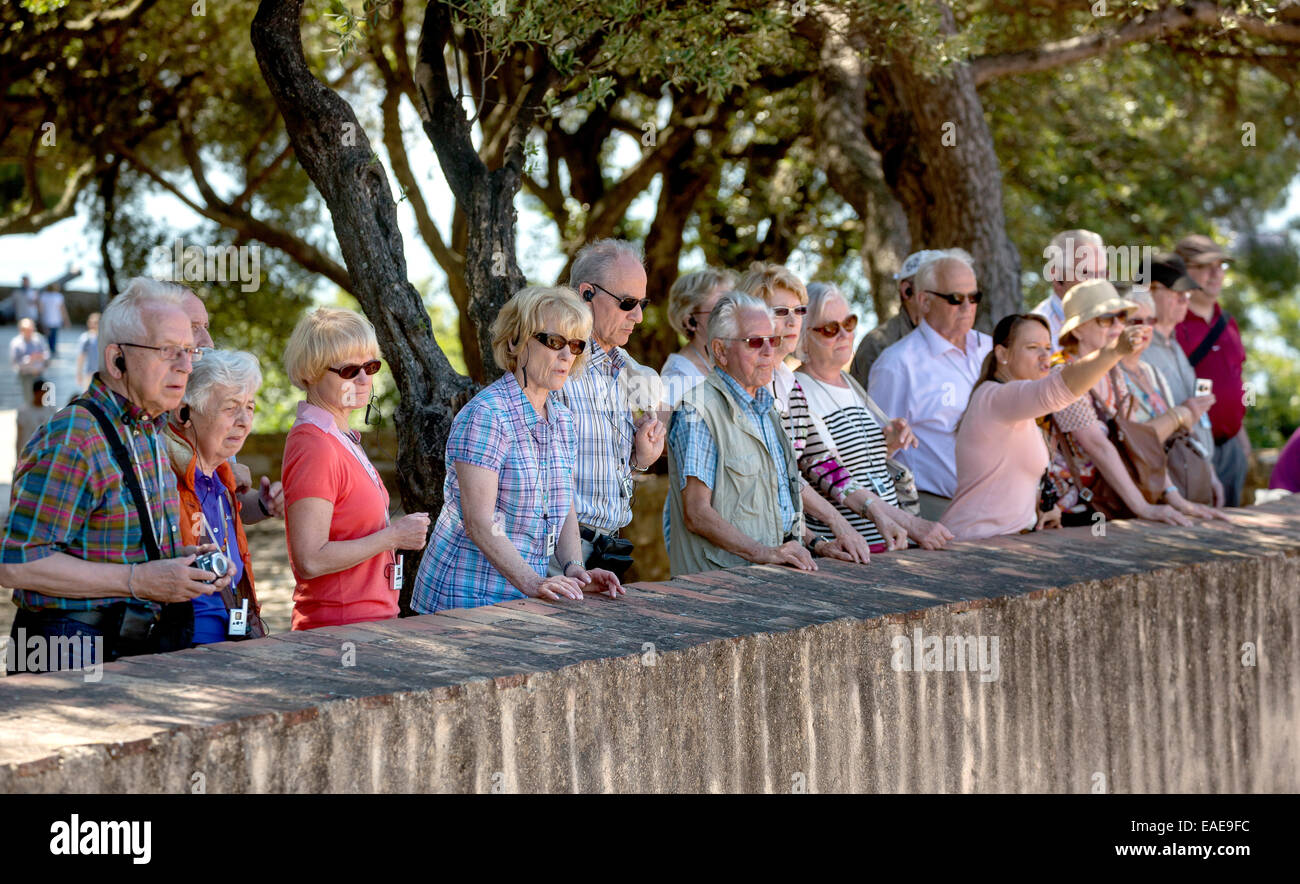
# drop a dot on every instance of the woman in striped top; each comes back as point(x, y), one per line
point(849, 439)
point(785, 295)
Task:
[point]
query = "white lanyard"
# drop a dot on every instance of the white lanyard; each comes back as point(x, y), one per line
point(144, 490)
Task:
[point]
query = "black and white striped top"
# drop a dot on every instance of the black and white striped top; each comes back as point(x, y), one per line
point(860, 444)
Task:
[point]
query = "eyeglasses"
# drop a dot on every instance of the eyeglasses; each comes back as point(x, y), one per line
point(559, 342)
point(1140, 321)
point(801, 310)
point(831, 329)
point(956, 299)
point(627, 305)
point(171, 353)
point(348, 372)
point(756, 341)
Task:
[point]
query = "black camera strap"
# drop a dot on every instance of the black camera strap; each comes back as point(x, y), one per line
point(125, 463)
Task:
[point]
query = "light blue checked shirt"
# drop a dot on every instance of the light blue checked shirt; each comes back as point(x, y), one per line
point(605, 431)
point(533, 459)
point(692, 446)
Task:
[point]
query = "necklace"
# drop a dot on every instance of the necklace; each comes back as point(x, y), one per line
point(860, 420)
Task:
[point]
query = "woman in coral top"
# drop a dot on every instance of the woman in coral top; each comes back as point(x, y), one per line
point(342, 544)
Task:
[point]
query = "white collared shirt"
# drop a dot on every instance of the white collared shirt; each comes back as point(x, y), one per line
point(927, 380)
point(1051, 309)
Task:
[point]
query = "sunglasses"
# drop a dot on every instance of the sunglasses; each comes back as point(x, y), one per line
point(1106, 320)
point(756, 342)
point(831, 329)
point(801, 310)
point(956, 299)
point(348, 372)
point(1143, 321)
point(559, 342)
point(627, 305)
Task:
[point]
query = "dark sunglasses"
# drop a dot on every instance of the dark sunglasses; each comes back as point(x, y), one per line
point(348, 372)
point(801, 310)
point(831, 329)
point(956, 299)
point(756, 342)
point(627, 305)
point(559, 342)
point(1106, 320)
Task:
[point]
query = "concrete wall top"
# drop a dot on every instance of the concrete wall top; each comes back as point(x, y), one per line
point(294, 675)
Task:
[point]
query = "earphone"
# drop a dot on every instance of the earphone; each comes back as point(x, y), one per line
point(184, 414)
point(588, 294)
point(120, 363)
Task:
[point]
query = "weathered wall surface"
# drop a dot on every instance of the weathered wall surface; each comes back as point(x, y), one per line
point(1153, 659)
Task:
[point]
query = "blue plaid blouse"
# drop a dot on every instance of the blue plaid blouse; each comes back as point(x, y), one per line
point(533, 459)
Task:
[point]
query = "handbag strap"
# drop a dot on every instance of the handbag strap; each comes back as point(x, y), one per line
point(1085, 493)
point(1211, 338)
point(127, 467)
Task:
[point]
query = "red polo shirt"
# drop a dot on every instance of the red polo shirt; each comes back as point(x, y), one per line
point(1222, 365)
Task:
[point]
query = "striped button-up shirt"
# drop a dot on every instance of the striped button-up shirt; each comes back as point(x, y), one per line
point(605, 432)
point(70, 496)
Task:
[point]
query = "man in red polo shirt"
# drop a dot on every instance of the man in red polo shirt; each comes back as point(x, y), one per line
point(1212, 342)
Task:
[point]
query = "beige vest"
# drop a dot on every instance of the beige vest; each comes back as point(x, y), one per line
point(746, 490)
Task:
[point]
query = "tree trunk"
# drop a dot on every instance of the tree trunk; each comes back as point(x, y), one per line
point(333, 150)
point(938, 157)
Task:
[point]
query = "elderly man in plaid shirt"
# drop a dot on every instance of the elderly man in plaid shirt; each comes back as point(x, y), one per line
point(612, 441)
point(76, 546)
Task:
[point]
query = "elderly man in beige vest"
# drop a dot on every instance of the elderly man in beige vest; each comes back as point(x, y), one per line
point(733, 494)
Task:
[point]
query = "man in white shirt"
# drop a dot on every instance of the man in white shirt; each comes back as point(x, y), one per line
point(1072, 257)
point(927, 377)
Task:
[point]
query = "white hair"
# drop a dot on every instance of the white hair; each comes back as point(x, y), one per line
point(818, 294)
point(724, 321)
point(927, 276)
point(596, 260)
point(123, 318)
point(1064, 247)
point(219, 373)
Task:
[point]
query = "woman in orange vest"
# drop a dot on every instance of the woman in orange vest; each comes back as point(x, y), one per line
point(203, 434)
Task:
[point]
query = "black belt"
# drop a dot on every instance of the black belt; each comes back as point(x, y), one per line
point(95, 618)
point(590, 534)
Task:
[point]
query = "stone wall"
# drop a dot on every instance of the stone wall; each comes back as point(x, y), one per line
point(1148, 659)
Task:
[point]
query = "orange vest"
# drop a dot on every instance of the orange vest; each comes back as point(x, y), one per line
point(181, 453)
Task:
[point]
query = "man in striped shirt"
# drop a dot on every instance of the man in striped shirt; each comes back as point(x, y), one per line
point(612, 440)
point(74, 544)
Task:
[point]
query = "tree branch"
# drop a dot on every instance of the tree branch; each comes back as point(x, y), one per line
point(1163, 22)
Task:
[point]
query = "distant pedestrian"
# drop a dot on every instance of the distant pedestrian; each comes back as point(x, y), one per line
point(53, 316)
point(88, 351)
point(33, 413)
point(28, 353)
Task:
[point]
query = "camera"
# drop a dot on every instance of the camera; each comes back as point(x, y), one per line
point(1048, 496)
point(215, 563)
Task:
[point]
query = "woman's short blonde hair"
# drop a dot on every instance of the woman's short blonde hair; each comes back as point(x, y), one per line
point(762, 280)
point(324, 337)
point(690, 291)
point(521, 318)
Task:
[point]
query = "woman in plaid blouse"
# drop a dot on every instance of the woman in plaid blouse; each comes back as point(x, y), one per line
point(508, 495)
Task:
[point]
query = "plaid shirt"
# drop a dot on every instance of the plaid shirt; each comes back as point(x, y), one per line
point(693, 447)
point(605, 432)
point(533, 459)
point(69, 495)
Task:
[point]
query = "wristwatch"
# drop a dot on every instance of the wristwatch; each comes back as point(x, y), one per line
point(810, 546)
point(565, 570)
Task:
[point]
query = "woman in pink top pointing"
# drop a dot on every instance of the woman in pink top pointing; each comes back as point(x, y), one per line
point(1001, 455)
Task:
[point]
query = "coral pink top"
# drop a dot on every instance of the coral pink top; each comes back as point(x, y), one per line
point(1001, 457)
